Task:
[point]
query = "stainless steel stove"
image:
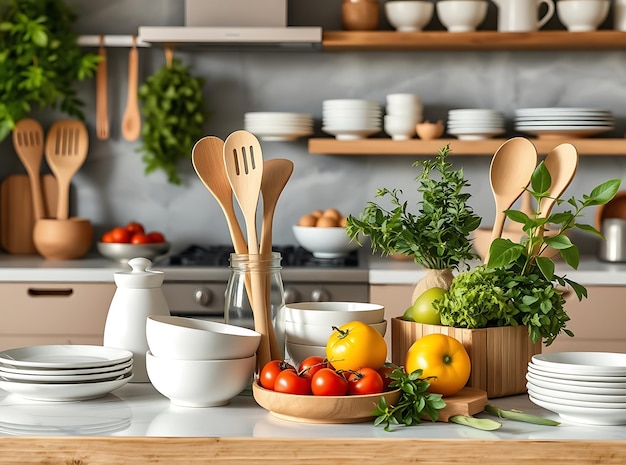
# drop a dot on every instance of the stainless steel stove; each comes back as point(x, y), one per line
point(196, 278)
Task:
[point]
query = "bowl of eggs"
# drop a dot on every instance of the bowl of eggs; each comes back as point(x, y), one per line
point(323, 233)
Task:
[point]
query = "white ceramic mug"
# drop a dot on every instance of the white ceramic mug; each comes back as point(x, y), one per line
point(521, 15)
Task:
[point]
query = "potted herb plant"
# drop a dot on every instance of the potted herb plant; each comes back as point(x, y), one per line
point(437, 235)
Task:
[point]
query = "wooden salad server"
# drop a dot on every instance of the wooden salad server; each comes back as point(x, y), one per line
point(28, 140)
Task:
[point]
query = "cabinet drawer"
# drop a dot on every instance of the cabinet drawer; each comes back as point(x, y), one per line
point(54, 308)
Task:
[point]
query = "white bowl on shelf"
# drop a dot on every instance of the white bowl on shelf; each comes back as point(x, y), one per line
point(409, 16)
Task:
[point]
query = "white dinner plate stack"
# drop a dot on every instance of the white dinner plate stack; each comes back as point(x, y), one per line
point(64, 372)
point(582, 387)
point(475, 123)
point(351, 119)
point(556, 122)
point(278, 126)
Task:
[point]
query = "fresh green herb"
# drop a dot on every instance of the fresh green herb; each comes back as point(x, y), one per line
point(484, 424)
point(518, 285)
point(40, 60)
point(519, 416)
point(415, 402)
point(438, 236)
point(174, 114)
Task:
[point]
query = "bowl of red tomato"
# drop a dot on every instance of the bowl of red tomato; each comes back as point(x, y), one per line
point(123, 243)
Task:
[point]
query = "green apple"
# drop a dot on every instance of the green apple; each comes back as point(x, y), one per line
point(422, 310)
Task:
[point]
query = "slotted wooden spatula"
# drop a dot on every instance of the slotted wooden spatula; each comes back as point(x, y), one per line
point(28, 142)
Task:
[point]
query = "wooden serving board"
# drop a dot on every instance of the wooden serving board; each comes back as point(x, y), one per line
point(468, 401)
point(16, 211)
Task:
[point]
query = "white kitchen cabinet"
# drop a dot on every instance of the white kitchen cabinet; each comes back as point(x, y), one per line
point(597, 322)
point(53, 313)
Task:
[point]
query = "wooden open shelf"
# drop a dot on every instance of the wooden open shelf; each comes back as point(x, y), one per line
point(478, 40)
point(382, 146)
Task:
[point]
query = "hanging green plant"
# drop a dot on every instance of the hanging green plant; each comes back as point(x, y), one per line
point(40, 60)
point(174, 114)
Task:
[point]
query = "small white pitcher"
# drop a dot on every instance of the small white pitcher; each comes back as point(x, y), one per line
point(521, 15)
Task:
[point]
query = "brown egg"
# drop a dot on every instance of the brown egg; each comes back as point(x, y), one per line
point(307, 220)
point(326, 222)
point(332, 213)
point(317, 213)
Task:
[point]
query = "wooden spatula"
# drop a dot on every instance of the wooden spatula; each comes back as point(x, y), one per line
point(102, 109)
point(28, 140)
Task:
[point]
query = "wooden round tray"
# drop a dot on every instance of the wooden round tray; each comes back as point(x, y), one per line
point(320, 409)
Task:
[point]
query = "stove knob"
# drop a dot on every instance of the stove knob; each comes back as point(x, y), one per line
point(291, 295)
point(320, 295)
point(203, 296)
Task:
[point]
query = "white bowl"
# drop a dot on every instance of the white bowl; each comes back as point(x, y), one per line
point(296, 353)
point(123, 252)
point(582, 363)
point(582, 15)
point(409, 16)
point(400, 127)
point(334, 313)
point(318, 334)
point(193, 339)
point(324, 242)
point(461, 15)
point(199, 383)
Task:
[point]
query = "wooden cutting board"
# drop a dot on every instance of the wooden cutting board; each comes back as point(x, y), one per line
point(16, 211)
point(468, 401)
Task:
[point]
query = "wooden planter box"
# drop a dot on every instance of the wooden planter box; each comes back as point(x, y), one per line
point(499, 356)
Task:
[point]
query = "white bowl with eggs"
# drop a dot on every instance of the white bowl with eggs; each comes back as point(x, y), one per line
point(323, 233)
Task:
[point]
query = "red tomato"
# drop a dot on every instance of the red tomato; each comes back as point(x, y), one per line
point(107, 237)
point(290, 382)
point(120, 234)
point(327, 382)
point(311, 365)
point(156, 236)
point(270, 371)
point(140, 238)
point(365, 381)
point(134, 227)
point(384, 373)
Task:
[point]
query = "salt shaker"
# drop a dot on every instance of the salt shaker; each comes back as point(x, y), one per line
point(138, 295)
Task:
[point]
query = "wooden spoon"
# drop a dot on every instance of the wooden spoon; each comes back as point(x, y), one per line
point(66, 150)
point(511, 168)
point(207, 157)
point(276, 173)
point(28, 140)
point(102, 110)
point(131, 121)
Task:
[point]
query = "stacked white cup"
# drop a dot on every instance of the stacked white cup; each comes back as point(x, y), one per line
point(403, 112)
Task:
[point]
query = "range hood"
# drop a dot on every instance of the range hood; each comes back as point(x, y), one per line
point(271, 38)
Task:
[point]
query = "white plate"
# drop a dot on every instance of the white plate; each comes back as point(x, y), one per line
point(577, 403)
point(564, 131)
point(574, 377)
point(560, 111)
point(475, 135)
point(350, 134)
point(575, 396)
point(583, 387)
point(65, 371)
point(64, 356)
point(565, 118)
point(64, 392)
point(584, 363)
point(564, 124)
point(67, 378)
point(584, 415)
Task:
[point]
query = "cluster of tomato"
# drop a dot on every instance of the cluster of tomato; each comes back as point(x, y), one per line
point(315, 375)
point(133, 233)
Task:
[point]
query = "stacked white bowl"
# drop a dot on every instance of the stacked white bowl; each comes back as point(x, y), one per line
point(403, 112)
point(278, 126)
point(582, 387)
point(199, 363)
point(309, 325)
point(475, 123)
point(351, 119)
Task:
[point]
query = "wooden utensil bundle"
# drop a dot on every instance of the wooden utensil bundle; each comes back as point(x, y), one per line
point(236, 167)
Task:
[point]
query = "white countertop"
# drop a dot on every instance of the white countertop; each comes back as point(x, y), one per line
point(137, 409)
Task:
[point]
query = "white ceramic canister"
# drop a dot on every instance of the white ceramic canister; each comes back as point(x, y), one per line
point(138, 296)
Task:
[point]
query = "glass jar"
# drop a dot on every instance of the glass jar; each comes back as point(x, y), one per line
point(238, 310)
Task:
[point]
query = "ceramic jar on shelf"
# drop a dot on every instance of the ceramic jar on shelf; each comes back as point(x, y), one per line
point(360, 15)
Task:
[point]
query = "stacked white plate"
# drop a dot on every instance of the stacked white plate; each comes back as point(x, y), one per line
point(475, 124)
point(582, 387)
point(64, 372)
point(555, 122)
point(351, 119)
point(278, 126)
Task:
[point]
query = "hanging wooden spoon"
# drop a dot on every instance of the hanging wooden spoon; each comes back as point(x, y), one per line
point(131, 121)
point(276, 173)
point(66, 150)
point(102, 109)
point(207, 157)
point(28, 140)
point(511, 168)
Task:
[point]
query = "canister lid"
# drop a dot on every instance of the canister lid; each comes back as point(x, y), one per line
point(140, 276)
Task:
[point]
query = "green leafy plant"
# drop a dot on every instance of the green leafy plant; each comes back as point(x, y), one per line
point(415, 404)
point(40, 60)
point(438, 235)
point(174, 114)
point(518, 285)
